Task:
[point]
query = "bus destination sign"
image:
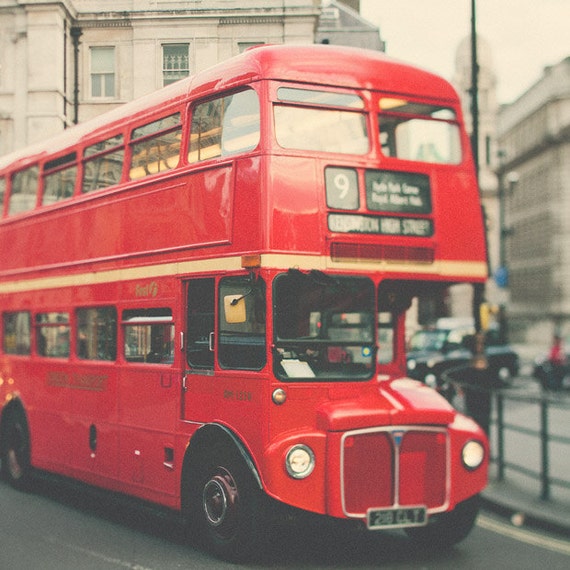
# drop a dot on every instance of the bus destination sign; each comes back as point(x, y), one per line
point(382, 225)
point(402, 192)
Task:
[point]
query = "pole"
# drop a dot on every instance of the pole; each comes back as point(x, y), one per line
point(478, 288)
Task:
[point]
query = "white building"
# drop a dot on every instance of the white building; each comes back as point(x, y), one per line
point(534, 132)
point(64, 62)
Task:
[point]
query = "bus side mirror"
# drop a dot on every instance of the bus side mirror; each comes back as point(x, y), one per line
point(234, 309)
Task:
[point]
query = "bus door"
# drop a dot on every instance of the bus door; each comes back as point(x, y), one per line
point(225, 346)
point(199, 349)
point(148, 399)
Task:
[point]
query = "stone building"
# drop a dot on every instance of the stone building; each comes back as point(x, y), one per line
point(534, 134)
point(341, 24)
point(67, 61)
point(488, 153)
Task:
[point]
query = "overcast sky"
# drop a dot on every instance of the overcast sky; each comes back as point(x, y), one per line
point(524, 35)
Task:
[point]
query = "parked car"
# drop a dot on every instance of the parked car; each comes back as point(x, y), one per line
point(433, 351)
point(542, 370)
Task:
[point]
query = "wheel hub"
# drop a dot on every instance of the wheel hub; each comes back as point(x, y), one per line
point(220, 501)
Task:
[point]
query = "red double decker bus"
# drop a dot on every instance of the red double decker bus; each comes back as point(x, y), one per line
point(204, 295)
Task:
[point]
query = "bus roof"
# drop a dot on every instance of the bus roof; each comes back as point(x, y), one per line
point(324, 65)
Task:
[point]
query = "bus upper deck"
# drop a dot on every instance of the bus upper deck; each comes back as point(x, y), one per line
point(329, 154)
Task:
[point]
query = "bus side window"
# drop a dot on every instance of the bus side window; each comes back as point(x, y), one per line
point(24, 190)
point(241, 326)
point(97, 333)
point(157, 148)
point(52, 334)
point(16, 332)
point(149, 335)
point(59, 179)
point(200, 323)
point(103, 164)
point(225, 126)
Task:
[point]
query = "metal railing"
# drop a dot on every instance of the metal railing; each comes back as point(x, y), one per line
point(545, 403)
point(488, 405)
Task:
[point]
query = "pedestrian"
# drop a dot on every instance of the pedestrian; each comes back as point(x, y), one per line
point(557, 361)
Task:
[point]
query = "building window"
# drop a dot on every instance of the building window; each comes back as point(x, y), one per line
point(175, 63)
point(243, 46)
point(102, 72)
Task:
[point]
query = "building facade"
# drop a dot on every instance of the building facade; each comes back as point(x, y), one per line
point(534, 135)
point(67, 61)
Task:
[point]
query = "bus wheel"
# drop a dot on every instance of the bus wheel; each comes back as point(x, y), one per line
point(226, 506)
point(447, 529)
point(16, 468)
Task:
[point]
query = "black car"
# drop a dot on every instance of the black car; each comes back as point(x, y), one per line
point(434, 351)
point(542, 371)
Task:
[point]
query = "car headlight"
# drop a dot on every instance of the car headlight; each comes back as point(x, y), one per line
point(300, 461)
point(431, 380)
point(472, 454)
point(411, 364)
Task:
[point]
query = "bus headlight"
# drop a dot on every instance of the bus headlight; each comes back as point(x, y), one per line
point(411, 364)
point(472, 454)
point(300, 461)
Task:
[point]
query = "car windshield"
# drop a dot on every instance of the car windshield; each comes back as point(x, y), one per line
point(428, 340)
point(324, 327)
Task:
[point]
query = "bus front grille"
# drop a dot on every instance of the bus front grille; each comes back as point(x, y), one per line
point(394, 467)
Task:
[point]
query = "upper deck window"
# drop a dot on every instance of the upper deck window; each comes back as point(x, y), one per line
point(418, 131)
point(224, 126)
point(305, 124)
point(157, 147)
point(24, 190)
point(59, 179)
point(103, 164)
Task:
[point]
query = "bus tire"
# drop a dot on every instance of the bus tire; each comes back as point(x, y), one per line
point(15, 449)
point(226, 506)
point(447, 529)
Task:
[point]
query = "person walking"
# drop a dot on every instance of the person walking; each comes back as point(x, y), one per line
point(557, 361)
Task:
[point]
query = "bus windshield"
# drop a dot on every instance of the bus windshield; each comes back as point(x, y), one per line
point(324, 327)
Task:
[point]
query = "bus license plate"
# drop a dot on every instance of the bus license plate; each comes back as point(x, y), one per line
point(397, 518)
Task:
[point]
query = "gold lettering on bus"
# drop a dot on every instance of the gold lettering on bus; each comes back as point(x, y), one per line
point(146, 289)
point(90, 382)
point(238, 395)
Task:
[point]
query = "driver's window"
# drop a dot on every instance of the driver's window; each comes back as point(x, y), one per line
point(241, 325)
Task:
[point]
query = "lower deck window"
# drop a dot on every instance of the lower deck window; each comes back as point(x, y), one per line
point(16, 332)
point(149, 336)
point(52, 334)
point(97, 333)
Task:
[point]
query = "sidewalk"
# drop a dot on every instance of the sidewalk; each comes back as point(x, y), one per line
point(521, 502)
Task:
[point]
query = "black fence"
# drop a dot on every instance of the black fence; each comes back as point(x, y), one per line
point(526, 430)
point(545, 433)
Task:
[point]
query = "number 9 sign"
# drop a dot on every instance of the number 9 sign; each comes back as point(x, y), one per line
point(341, 188)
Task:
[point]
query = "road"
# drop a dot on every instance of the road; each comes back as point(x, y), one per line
point(68, 526)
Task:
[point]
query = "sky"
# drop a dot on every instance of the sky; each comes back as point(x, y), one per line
point(524, 35)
